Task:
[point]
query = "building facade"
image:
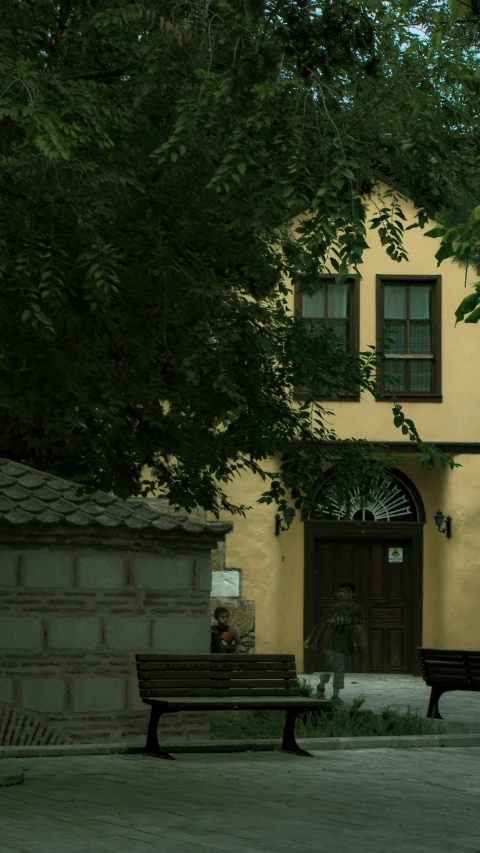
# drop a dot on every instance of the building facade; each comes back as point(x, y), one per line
point(418, 586)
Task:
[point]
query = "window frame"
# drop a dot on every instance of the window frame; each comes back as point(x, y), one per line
point(354, 330)
point(434, 396)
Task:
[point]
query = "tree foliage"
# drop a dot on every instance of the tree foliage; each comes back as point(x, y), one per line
point(452, 31)
point(153, 155)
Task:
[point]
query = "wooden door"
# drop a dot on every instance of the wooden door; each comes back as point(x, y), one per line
point(382, 571)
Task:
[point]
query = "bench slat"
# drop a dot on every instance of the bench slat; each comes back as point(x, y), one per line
point(225, 664)
point(445, 670)
point(450, 669)
point(226, 684)
point(449, 679)
point(236, 691)
point(219, 703)
point(436, 651)
point(212, 658)
point(448, 664)
point(208, 675)
point(443, 667)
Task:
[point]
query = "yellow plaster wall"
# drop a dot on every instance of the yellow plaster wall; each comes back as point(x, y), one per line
point(457, 418)
point(460, 590)
point(272, 566)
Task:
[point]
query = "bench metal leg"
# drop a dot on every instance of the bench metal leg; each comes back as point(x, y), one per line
point(289, 744)
point(433, 704)
point(152, 745)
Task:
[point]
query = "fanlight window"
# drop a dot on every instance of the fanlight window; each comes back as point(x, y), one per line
point(387, 500)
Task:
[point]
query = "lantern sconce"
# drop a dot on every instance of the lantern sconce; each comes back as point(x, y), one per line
point(288, 517)
point(439, 519)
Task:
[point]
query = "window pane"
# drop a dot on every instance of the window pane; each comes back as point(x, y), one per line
point(338, 300)
point(421, 375)
point(395, 375)
point(342, 328)
point(314, 326)
point(314, 306)
point(420, 302)
point(396, 301)
point(396, 336)
point(421, 337)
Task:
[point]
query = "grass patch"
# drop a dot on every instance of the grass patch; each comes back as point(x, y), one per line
point(348, 720)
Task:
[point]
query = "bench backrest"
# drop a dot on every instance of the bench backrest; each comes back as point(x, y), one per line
point(451, 666)
point(216, 675)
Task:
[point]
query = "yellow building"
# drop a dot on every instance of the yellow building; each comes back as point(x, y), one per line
point(417, 585)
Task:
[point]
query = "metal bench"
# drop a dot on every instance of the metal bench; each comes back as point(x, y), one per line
point(204, 682)
point(449, 669)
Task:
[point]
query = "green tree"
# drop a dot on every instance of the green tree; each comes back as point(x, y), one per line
point(452, 38)
point(152, 157)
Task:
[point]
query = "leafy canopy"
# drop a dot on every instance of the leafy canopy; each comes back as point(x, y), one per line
point(452, 32)
point(153, 157)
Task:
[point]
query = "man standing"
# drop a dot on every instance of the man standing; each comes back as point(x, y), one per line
point(341, 633)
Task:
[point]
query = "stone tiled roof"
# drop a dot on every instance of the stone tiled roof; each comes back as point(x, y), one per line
point(29, 496)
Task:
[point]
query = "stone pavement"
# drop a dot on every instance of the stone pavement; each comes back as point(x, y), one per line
point(403, 691)
point(360, 801)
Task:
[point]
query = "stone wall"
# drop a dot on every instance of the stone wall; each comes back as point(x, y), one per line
point(71, 622)
point(227, 592)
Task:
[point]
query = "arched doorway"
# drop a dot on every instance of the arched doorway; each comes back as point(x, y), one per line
point(377, 542)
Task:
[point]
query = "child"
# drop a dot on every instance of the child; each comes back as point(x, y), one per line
point(342, 634)
point(224, 639)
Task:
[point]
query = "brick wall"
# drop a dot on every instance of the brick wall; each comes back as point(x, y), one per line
point(71, 622)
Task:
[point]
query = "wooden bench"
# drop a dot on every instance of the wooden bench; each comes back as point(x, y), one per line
point(449, 669)
point(221, 682)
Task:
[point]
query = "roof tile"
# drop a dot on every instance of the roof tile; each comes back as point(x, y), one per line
point(31, 496)
point(80, 518)
point(107, 520)
point(136, 523)
point(29, 481)
point(48, 517)
point(103, 498)
point(32, 504)
point(119, 510)
point(46, 494)
point(58, 484)
point(16, 493)
point(12, 469)
point(63, 507)
point(75, 494)
point(18, 516)
point(6, 504)
point(91, 508)
point(165, 524)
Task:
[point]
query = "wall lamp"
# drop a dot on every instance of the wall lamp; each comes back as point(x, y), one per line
point(288, 517)
point(439, 519)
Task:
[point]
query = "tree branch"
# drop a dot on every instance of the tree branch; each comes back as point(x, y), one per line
point(95, 75)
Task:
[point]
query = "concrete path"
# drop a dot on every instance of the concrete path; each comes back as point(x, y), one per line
point(377, 801)
point(401, 691)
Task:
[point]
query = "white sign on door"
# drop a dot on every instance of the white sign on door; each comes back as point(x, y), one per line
point(395, 555)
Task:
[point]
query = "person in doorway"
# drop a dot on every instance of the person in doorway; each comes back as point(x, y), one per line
point(340, 634)
point(225, 639)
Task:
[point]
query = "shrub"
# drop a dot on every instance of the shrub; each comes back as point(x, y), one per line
point(348, 720)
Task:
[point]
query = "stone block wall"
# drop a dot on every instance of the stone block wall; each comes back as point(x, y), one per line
point(71, 623)
point(227, 592)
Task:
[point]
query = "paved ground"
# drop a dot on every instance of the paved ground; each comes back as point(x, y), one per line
point(378, 801)
point(401, 691)
point(359, 801)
